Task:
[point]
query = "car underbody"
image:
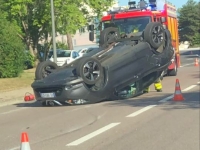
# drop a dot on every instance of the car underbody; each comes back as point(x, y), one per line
point(121, 68)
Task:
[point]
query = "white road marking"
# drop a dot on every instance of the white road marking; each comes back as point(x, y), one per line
point(15, 148)
point(166, 99)
point(141, 111)
point(189, 88)
point(187, 65)
point(93, 134)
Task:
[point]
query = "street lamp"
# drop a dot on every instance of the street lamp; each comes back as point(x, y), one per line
point(53, 32)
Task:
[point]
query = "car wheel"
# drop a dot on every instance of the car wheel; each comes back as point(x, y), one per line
point(90, 70)
point(44, 69)
point(109, 34)
point(154, 34)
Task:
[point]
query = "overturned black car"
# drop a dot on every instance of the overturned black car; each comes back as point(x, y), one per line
point(122, 61)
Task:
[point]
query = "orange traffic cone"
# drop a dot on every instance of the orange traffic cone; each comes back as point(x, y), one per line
point(196, 63)
point(178, 94)
point(24, 142)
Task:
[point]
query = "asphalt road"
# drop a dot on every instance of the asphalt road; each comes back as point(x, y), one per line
point(151, 121)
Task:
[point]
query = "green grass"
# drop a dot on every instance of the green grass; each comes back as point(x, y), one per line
point(25, 80)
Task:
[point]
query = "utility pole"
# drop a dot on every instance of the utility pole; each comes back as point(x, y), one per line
point(53, 32)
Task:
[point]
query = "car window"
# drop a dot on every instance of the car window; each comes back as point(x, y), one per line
point(84, 51)
point(50, 54)
point(77, 55)
point(89, 50)
point(73, 55)
point(64, 53)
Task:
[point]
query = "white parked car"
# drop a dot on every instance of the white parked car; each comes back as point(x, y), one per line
point(86, 50)
point(64, 56)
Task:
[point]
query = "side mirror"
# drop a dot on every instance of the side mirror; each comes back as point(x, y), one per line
point(91, 27)
point(163, 19)
point(91, 36)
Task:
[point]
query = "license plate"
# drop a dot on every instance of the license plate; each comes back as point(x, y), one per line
point(47, 95)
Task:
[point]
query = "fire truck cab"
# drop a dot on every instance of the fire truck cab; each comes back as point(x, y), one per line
point(137, 16)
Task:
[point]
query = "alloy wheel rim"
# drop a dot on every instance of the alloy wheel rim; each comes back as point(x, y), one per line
point(91, 71)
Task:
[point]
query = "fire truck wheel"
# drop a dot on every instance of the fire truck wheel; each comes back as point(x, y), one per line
point(107, 34)
point(154, 34)
point(44, 69)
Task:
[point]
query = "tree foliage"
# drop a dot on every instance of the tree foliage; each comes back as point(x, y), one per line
point(11, 50)
point(30, 22)
point(72, 15)
point(34, 17)
point(189, 24)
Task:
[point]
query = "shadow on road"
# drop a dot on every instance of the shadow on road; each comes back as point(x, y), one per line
point(38, 104)
point(192, 100)
point(196, 75)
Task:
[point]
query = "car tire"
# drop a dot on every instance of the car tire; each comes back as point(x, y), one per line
point(41, 70)
point(107, 34)
point(90, 70)
point(154, 34)
point(173, 72)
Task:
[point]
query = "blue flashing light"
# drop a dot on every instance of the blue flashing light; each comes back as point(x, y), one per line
point(152, 7)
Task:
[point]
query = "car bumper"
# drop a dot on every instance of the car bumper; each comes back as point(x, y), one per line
point(64, 93)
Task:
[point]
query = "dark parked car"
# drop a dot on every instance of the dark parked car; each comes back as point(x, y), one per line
point(103, 74)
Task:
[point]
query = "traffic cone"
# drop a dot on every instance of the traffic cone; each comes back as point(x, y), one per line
point(24, 142)
point(178, 94)
point(196, 63)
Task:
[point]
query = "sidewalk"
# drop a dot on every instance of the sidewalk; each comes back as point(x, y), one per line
point(13, 97)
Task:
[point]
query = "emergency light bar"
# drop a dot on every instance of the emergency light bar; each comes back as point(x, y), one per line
point(152, 5)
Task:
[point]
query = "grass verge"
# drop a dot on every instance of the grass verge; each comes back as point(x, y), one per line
point(24, 80)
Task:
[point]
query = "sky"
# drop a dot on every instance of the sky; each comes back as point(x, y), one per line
point(177, 3)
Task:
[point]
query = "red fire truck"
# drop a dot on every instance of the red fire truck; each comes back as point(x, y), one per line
point(139, 15)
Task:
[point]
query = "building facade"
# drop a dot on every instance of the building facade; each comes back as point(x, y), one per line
point(82, 35)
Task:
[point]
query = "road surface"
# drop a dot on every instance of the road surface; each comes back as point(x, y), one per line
point(151, 121)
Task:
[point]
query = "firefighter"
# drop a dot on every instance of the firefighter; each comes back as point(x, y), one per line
point(157, 85)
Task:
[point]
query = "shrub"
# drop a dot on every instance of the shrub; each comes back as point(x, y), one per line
point(29, 60)
point(11, 50)
point(60, 45)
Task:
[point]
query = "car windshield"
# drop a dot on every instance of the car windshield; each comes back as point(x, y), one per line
point(60, 53)
point(64, 53)
point(128, 25)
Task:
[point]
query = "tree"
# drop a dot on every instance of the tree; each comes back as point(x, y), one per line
point(72, 15)
point(12, 50)
point(34, 18)
point(189, 22)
